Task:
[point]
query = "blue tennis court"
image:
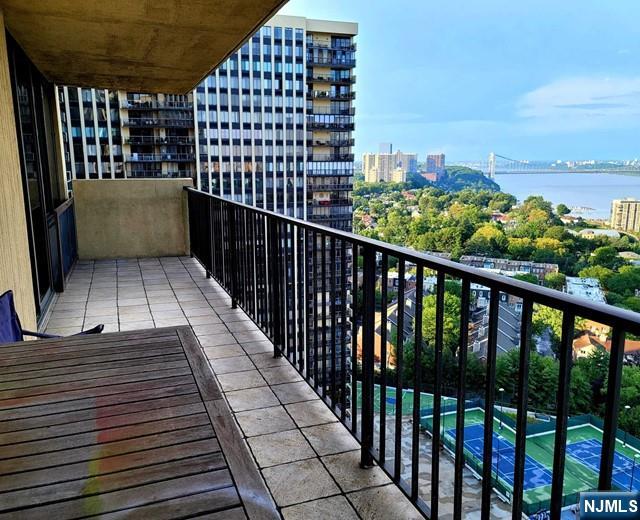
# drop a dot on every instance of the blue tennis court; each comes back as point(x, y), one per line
point(589, 451)
point(503, 458)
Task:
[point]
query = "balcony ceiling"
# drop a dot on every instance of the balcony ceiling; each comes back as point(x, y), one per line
point(136, 45)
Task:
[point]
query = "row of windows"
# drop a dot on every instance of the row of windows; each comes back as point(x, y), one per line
point(258, 100)
point(245, 83)
point(266, 66)
point(89, 131)
point(236, 150)
point(277, 32)
point(247, 117)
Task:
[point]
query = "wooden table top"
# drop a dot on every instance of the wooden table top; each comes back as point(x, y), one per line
point(129, 424)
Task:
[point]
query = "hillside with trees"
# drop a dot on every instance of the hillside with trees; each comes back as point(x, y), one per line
point(488, 223)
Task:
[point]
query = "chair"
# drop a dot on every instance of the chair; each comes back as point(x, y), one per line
point(11, 330)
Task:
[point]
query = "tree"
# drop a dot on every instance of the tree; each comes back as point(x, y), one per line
point(555, 281)
point(488, 240)
point(549, 319)
point(625, 281)
point(502, 202)
point(562, 209)
point(527, 277)
point(602, 274)
point(450, 323)
point(520, 248)
point(606, 256)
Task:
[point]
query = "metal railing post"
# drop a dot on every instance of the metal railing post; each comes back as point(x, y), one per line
point(274, 283)
point(233, 255)
point(368, 330)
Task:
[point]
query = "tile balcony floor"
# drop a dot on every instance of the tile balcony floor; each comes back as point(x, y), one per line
point(309, 461)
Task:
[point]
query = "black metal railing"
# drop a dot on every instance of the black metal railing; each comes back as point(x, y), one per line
point(63, 243)
point(314, 291)
point(160, 157)
point(152, 139)
point(158, 122)
point(156, 105)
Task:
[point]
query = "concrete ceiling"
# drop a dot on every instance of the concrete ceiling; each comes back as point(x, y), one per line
point(136, 45)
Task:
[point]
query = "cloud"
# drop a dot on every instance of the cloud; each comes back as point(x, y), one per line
point(581, 104)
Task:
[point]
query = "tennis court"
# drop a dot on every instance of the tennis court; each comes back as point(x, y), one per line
point(503, 458)
point(589, 451)
point(391, 399)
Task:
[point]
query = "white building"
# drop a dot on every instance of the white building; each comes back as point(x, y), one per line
point(588, 288)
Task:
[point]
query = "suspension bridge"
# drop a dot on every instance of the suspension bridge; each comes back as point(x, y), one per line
point(499, 164)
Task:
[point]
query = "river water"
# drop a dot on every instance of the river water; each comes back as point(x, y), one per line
point(591, 190)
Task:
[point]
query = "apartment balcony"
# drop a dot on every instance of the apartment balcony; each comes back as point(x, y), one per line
point(330, 125)
point(311, 44)
point(333, 62)
point(334, 96)
point(157, 173)
point(330, 173)
point(330, 203)
point(330, 142)
point(333, 79)
point(160, 157)
point(349, 111)
point(159, 140)
point(331, 157)
point(218, 393)
point(152, 122)
point(156, 105)
point(330, 187)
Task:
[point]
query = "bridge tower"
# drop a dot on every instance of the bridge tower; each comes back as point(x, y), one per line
point(492, 166)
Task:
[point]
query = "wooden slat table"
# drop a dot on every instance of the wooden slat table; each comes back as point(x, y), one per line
point(123, 425)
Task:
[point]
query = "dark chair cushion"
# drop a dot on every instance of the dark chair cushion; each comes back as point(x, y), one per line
point(10, 328)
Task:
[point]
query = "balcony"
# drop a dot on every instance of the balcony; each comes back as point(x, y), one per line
point(152, 139)
point(332, 157)
point(156, 105)
point(330, 125)
point(323, 94)
point(349, 111)
point(152, 122)
point(330, 142)
point(329, 78)
point(331, 187)
point(160, 157)
point(302, 399)
point(336, 63)
point(328, 203)
point(311, 44)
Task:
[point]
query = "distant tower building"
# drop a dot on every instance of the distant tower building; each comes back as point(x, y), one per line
point(388, 167)
point(385, 148)
point(435, 167)
point(625, 214)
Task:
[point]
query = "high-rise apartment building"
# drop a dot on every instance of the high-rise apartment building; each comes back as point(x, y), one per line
point(273, 126)
point(275, 122)
point(435, 165)
point(388, 167)
point(625, 214)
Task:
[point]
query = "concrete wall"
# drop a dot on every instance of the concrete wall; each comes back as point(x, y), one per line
point(15, 265)
point(126, 218)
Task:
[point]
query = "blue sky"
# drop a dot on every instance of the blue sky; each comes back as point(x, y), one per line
point(526, 79)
